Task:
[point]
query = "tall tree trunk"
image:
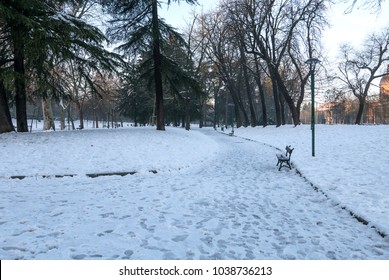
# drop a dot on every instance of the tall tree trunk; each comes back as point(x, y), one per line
point(282, 107)
point(239, 108)
point(261, 92)
point(238, 118)
point(361, 108)
point(95, 119)
point(48, 120)
point(201, 123)
point(80, 114)
point(283, 90)
point(242, 118)
point(135, 108)
point(187, 113)
point(70, 119)
point(277, 107)
point(237, 100)
point(175, 113)
point(113, 121)
point(157, 57)
point(20, 79)
point(63, 112)
point(183, 120)
point(300, 100)
point(216, 110)
point(253, 117)
point(5, 115)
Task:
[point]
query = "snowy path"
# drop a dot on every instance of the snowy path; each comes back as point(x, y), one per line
point(238, 206)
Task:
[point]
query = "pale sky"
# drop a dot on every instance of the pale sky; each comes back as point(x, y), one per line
point(178, 15)
point(351, 27)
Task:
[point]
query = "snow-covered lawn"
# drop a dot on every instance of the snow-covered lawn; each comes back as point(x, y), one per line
point(351, 163)
point(194, 195)
point(104, 150)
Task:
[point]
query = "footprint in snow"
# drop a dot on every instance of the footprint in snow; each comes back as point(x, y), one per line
point(180, 238)
point(79, 257)
point(128, 254)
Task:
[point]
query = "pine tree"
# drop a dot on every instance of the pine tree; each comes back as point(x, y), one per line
point(137, 26)
point(5, 116)
point(38, 34)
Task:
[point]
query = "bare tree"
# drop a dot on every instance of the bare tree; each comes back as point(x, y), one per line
point(274, 28)
point(359, 68)
point(305, 43)
point(233, 21)
point(374, 5)
point(223, 53)
point(203, 68)
point(255, 40)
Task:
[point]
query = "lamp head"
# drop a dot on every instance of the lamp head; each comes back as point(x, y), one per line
point(312, 62)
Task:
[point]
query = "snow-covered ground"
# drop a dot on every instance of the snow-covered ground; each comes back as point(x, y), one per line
point(350, 165)
point(194, 195)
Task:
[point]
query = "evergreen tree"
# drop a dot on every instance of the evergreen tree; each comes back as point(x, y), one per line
point(5, 116)
point(137, 26)
point(135, 99)
point(181, 87)
point(39, 35)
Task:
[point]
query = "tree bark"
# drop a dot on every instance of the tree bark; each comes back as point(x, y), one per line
point(157, 57)
point(282, 107)
point(20, 79)
point(63, 112)
point(80, 114)
point(261, 92)
point(187, 114)
point(202, 105)
point(239, 108)
point(276, 96)
point(253, 117)
point(361, 108)
point(48, 120)
point(284, 91)
point(300, 100)
point(95, 119)
point(5, 115)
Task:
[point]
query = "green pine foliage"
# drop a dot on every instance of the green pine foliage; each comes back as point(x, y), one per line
point(37, 36)
point(162, 55)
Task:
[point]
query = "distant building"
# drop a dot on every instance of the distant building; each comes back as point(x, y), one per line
point(384, 85)
point(344, 111)
point(384, 97)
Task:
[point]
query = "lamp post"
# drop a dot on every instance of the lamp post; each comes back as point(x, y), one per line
point(312, 64)
point(232, 105)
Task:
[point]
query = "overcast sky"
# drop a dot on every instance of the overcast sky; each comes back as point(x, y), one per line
point(352, 27)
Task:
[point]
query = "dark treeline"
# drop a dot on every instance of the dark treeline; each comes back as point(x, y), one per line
point(242, 63)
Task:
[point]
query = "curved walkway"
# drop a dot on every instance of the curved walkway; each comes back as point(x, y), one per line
point(238, 206)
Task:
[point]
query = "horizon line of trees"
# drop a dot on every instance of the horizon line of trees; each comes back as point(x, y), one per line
point(243, 62)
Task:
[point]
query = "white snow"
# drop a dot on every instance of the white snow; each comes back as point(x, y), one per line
point(197, 194)
point(350, 165)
